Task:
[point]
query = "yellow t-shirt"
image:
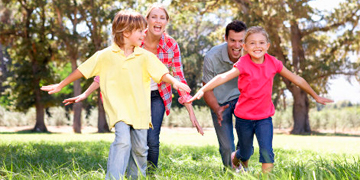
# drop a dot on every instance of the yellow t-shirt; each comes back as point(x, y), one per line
point(125, 83)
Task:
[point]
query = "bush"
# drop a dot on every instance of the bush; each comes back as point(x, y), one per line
point(329, 118)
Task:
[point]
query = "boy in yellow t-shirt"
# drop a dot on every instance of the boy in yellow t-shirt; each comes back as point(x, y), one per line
point(125, 70)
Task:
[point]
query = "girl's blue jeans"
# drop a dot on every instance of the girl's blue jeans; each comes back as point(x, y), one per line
point(263, 129)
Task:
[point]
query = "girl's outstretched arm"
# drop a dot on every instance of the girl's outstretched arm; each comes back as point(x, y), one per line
point(215, 82)
point(299, 81)
point(95, 85)
point(54, 88)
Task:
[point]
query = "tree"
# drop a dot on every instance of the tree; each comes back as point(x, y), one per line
point(30, 53)
point(70, 38)
point(197, 26)
point(300, 38)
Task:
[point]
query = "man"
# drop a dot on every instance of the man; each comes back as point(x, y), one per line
point(222, 99)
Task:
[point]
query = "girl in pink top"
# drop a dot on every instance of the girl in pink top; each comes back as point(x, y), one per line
point(255, 72)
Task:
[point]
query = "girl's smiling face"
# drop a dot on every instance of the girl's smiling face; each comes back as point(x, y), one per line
point(256, 45)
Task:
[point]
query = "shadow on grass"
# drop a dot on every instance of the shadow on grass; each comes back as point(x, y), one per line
point(49, 156)
point(317, 133)
point(31, 131)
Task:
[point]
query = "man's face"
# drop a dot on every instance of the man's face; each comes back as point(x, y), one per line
point(235, 42)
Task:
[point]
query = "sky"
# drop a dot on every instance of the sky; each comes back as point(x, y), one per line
point(340, 89)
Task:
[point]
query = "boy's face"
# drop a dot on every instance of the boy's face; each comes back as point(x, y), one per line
point(235, 41)
point(136, 37)
point(256, 45)
point(157, 21)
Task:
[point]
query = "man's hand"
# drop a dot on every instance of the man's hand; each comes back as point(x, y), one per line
point(219, 112)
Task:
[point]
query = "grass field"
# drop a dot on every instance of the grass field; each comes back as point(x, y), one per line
point(184, 154)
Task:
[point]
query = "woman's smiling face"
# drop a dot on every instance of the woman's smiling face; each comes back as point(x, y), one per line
point(157, 21)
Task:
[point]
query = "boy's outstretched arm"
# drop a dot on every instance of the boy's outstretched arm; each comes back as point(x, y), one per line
point(299, 81)
point(175, 83)
point(215, 82)
point(54, 88)
point(95, 85)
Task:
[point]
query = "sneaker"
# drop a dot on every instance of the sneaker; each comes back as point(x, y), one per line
point(239, 168)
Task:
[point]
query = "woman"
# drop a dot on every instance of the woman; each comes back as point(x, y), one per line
point(168, 51)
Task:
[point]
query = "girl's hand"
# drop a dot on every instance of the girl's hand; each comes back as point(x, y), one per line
point(323, 100)
point(197, 96)
point(75, 99)
point(51, 89)
point(179, 85)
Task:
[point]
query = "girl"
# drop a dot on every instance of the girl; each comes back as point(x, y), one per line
point(254, 108)
point(168, 51)
point(125, 72)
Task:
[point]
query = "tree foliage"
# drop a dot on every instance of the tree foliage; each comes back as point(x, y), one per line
point(39, 37)
point(311, 43)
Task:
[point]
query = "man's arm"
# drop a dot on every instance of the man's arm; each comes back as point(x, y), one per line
point(211, 101)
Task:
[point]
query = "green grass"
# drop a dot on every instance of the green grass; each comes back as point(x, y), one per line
point(184, 154)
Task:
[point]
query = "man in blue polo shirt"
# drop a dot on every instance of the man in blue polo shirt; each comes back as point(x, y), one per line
point(222, 99)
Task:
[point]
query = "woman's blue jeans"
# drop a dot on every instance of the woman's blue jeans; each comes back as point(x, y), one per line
point(153, 138)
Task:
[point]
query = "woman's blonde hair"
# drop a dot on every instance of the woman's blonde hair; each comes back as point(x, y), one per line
point(157, 5)
point(254, 30)
point(126, 21)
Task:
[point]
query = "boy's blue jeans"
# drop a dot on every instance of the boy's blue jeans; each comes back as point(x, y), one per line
point(127, 153)
point(225, 133)
point(153, 139)
point(263, 129)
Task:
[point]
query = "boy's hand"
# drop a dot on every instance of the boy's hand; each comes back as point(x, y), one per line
point(51, 89)
point(323, 100)
point(75, 99)
point(179, 85)
point(197, 96)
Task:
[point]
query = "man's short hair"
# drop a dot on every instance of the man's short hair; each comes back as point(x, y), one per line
point(236, 26)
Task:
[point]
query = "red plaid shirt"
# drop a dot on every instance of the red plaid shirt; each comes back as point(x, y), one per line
point(168, 52)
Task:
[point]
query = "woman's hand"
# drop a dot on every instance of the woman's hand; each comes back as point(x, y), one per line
point(75, 99)
point(193, 119)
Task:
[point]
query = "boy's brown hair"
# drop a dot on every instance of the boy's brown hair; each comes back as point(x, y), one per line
point(126, 21)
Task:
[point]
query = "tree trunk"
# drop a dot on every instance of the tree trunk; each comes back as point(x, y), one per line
point(300, 112)
point(103, 126)
point(77, 107)
point(3, 68)
point(40, 124)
